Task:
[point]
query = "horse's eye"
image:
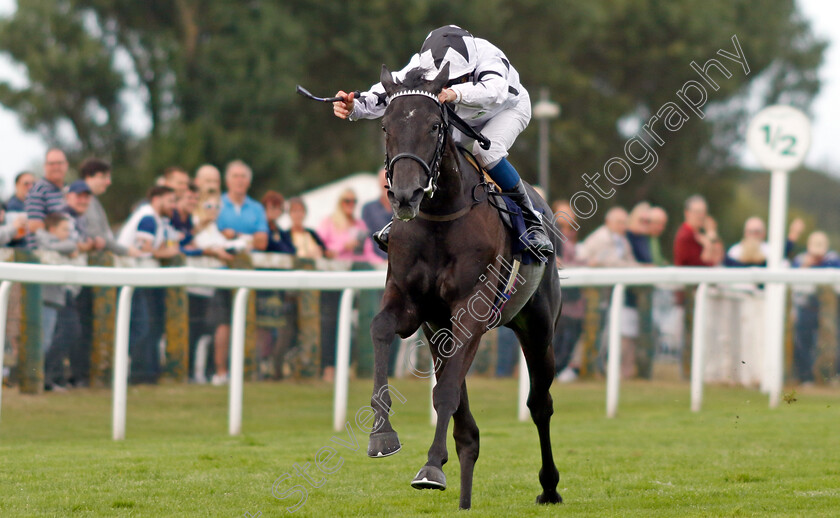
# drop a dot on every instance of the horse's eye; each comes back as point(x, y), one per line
point(436, 127)
point(383, 129)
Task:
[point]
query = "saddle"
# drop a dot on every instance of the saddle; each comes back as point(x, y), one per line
point(509, 211)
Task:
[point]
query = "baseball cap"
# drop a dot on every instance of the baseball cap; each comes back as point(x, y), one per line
point(79, 186)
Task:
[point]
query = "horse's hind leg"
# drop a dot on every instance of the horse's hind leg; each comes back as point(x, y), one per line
point(465, 432)
point(447, 399)
point(535, 337)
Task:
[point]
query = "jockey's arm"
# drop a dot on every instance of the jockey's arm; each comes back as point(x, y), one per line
point(370, 104)
point(490, 91)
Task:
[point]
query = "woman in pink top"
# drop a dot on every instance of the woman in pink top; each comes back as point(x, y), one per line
point(346, 236)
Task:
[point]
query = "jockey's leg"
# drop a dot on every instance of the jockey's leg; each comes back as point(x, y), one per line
point(502, 131)
point(505, 175)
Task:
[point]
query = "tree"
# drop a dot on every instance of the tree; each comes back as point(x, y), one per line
point(219, 79)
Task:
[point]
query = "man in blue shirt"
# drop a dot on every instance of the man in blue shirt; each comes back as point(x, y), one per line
point(240, 216)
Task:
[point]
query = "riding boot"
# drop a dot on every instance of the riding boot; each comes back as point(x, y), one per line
point(538, 240)
point(381, 237)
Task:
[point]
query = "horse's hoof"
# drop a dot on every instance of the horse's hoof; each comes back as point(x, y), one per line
point(550, 498)
point(383, 444)
point(429, 477)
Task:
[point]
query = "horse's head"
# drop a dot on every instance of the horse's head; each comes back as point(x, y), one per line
point(415, 131)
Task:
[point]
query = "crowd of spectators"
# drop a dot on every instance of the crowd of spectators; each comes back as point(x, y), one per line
point(179, 216)
point(628, 240)
point(188, 216)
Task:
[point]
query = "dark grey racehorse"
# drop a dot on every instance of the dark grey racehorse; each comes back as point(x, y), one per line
point(448, 256)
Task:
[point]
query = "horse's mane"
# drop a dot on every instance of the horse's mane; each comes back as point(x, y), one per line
point(415, 79)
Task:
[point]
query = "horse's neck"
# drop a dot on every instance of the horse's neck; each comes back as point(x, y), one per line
point(455, 183)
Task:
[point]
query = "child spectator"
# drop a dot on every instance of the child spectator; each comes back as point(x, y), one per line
point(55, 236)
point(278, 241)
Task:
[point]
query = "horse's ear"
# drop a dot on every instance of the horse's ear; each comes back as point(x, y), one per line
point(442, 78)
point(387, 80)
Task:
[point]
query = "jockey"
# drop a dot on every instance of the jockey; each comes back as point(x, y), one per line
point(487, 95)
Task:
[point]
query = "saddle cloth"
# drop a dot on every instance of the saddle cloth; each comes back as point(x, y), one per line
point(509, 212)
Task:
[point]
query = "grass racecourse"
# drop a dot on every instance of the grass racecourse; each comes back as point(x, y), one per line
point(735, 458)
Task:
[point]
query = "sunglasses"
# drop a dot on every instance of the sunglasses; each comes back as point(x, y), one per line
point(348, 200)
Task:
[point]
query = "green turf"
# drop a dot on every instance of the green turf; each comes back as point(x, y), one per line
point(735, 458)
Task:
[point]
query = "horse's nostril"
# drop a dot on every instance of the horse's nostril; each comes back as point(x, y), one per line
point(417, 196)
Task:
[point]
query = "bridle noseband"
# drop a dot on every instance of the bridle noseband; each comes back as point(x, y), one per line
point(433, 169)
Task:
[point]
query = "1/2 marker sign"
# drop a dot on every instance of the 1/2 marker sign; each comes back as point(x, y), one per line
point(779, 136)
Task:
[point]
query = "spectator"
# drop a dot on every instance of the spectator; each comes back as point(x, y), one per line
point(567, 357)
point(378, 213)
point(207, 179)
point(807, 304)
point(182, 219)
point(276, 309)
point(345, 236)
point(307, 243)
point(12, 227)
point(278, 241)
point(46, 195)
point(207, 236)
point(204, 315)
point(608, 246)
point(77, 202)
point(658, 220)
point(176, 179)
point(23, 184)
point(753, 250)
point(695, 240)
point(55, 236)
point(97, 174)
point(696, 244)
point(146, 229)
point(241, 217)
point(69, 340)
point(15, 208)
point(638, 233)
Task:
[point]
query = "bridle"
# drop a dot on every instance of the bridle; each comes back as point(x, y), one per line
point(432, 169)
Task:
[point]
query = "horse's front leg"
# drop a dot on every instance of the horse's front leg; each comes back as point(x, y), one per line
point(459, 352)
point(395, 317)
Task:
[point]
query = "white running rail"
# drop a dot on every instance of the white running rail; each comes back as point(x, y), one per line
point(244, 280)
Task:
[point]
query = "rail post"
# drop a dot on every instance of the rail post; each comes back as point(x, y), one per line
point(698, 351)
point(237, 359)
point(120, 383)
point(614, 351)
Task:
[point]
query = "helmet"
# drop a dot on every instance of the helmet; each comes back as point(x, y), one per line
point(448, 44)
